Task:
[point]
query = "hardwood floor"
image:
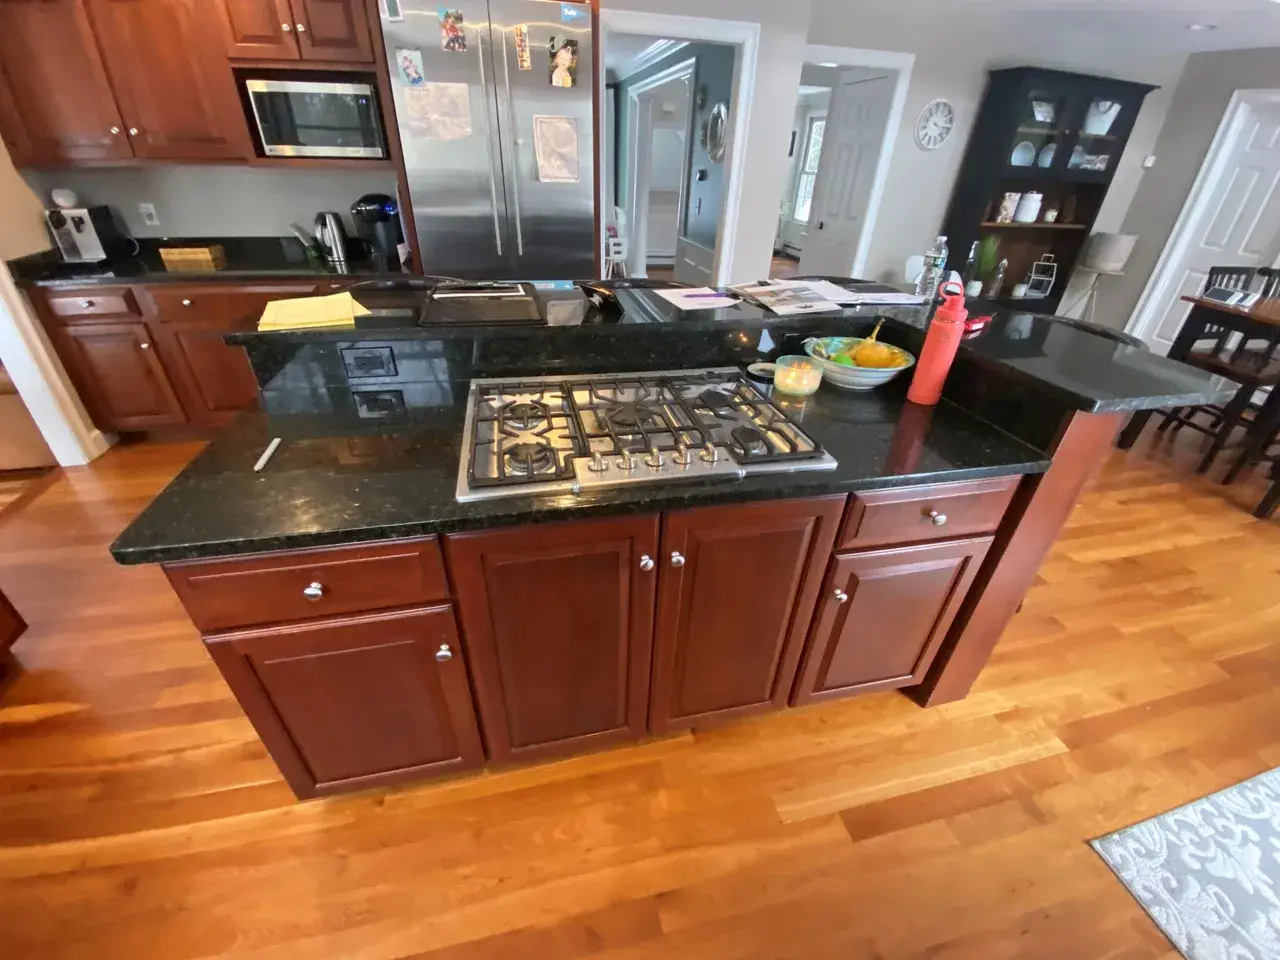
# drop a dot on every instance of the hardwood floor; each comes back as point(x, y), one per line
point(141, 818)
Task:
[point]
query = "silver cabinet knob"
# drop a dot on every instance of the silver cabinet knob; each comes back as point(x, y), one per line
point(646, 562)
point(302, 28)
point(444, 654)
point(841, 596)
point(186, 303)
point(86, 304)
point(133, 131)
point(677, 559)
point(313, 591)
point(115, 131)
point(937, 519)
point(286, 27)
point(145, 346)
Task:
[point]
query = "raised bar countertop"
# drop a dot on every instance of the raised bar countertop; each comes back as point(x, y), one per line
point(337, 480)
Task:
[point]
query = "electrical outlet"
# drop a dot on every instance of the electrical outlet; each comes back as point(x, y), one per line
point(149, 216)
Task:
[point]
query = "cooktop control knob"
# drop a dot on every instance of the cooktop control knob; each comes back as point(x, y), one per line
point(627, 461)
point(710, 452)
point(654, 459)
point(598, 463)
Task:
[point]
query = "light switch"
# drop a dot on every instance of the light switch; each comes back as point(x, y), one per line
point(1149, 162)
point(149, 215)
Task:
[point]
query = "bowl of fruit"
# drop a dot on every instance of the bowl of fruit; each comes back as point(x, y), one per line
point(858, 363)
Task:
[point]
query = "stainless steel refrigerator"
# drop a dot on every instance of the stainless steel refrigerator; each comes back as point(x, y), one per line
point(494, 105)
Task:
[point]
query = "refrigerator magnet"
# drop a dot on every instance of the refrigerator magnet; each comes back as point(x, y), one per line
point(409, 63)
point(524, 56)
point(571, 13)
point(564, 62)
point(452, 37)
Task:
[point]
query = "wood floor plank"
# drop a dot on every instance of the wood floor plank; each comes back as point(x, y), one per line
point(140, 816)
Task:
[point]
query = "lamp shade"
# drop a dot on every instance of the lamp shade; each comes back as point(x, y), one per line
point(1107, 252)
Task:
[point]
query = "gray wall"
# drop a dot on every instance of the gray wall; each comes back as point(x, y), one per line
point(216, 201)
point(1198, 105)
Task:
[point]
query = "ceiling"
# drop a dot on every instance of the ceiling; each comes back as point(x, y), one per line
point(1151, 25)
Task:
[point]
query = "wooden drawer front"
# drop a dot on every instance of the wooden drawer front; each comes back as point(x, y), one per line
point(219, 594)
point(222, 305)
point(110, 302)
point(935, 512)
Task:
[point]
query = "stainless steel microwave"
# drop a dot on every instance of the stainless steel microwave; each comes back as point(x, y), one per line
point(303, 118)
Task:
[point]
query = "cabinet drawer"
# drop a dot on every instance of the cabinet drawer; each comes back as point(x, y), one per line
point(306, 584)
point(934, 512)
point(220, 305)
point(93, 303)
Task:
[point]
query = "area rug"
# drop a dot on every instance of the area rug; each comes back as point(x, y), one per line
point(1209, 873)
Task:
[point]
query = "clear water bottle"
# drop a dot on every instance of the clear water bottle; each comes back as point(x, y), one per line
point(935, 270)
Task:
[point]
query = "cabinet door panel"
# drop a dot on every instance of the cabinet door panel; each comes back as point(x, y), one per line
point(558, 620)
point(347, 704)
point(333, 30)
point(213, 377)
point(119, 375)
point(732, 620)
point(260, 30)
point(900, 604)
point(169, 68)
point(57, 103)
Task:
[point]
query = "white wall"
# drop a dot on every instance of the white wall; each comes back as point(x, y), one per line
point(952, 60)
point(218, 201)
point(1198, 105)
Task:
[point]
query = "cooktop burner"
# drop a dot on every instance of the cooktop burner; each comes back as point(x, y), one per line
point(571, 434)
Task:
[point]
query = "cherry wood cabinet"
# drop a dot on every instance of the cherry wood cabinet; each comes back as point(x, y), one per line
point(737, 587)
point(119, 376)
point(331, 30)
point(356, 702)
point(55, 101)
point(882, 616)
point(12, 626)
point(171, 78)
point(558, 621)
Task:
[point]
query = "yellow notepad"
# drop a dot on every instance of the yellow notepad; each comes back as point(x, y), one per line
point(312, 313)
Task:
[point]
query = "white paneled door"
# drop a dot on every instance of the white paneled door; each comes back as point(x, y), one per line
point(1234, 221)
point(854, 134)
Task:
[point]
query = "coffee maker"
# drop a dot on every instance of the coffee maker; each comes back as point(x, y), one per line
point(377, 220)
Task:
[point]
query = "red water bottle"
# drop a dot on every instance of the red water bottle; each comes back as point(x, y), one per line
point(940, 346)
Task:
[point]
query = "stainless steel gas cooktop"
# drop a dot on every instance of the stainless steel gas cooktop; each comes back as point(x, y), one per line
point(572, 434)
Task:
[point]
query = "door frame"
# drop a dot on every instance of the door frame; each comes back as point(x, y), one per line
point(743, 35)
point(642, 161)
point(1196, 206)
point(903, 64)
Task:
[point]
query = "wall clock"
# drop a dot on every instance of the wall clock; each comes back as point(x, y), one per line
point(937, 121)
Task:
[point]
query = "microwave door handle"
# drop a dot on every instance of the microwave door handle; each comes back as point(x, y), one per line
point(515, 159)
point(488, 143)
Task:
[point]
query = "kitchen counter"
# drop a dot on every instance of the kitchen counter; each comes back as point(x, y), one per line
point(337, 480)
point(248, 258)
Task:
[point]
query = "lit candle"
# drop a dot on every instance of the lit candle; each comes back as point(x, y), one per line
point(798, 376)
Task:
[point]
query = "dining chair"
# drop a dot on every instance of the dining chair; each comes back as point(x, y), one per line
point(1270, 288)
point(1230, 278)
point(1271, 499)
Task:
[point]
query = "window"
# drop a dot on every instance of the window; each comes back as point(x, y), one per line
point(809, 169)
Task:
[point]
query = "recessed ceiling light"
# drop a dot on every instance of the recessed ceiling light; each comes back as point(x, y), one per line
point(828, 64)
point(1201, 27)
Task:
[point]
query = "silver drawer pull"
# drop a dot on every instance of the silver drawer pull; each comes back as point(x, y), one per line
point(937, 519)
point(444, 654)
point(286, 27)
point(86, 304)
point(301, 28)
point(646, 562)
point(186, 303)
point(313, 591)
point(677, 559)
point(841, 596)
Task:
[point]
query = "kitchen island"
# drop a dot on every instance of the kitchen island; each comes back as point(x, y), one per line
point(377, 629)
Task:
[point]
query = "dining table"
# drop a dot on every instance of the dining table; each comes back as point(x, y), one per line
point(1204, 321)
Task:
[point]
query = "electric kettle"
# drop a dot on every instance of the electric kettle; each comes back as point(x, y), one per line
point(331, 236)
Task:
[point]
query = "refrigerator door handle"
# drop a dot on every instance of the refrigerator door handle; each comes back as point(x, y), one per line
point(515, 167)
point(488, 140)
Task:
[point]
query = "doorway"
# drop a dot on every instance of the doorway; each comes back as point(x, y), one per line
point(1231, 216)
point(848, 111)
point(678, 90)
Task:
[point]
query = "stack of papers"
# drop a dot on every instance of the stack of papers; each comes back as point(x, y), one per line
point(872, 293)
point(787, 297)
point(336, 311)
point(698, 298)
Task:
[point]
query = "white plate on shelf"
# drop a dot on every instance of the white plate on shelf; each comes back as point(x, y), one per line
point(1024, 154)
point(1046, 155)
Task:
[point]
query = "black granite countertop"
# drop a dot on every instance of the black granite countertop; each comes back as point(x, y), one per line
point(336, 480)
point(248, 258)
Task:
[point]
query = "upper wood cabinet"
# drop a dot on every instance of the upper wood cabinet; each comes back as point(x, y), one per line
point(558, 620)
point(736, 590)
point(352, 703)
point(882, 616)
point(334, 30)
point(55, 101)
point(171, 78)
